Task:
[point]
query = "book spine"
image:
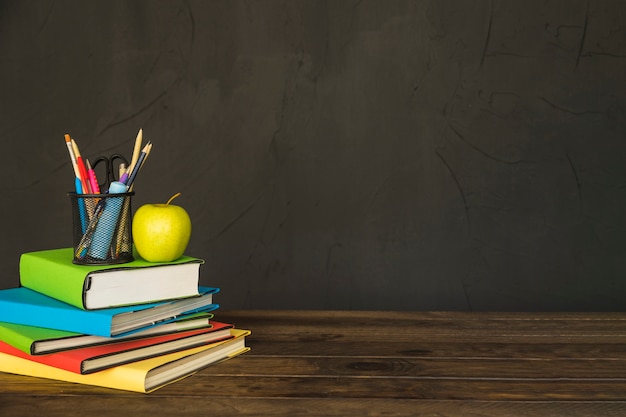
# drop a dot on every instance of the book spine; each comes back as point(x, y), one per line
point(123, 379)
point(55, 360)
point(15, 339)
point(62, 281)
point(71, 320)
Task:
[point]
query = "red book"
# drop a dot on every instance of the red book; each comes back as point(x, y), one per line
point(96, 358)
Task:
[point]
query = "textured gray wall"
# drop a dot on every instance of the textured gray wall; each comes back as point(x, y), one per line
point(343, 154)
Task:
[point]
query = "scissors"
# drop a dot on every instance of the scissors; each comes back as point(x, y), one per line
point(112, 165)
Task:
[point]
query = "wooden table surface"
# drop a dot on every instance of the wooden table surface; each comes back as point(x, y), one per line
point(334, 363)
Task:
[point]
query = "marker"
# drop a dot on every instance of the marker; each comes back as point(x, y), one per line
point(121, 170)
point(93, 181)
point(82, 212)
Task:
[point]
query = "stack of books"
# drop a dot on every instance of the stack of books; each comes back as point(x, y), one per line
point(136, 326)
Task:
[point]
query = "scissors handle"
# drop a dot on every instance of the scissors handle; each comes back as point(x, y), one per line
point(111, 166)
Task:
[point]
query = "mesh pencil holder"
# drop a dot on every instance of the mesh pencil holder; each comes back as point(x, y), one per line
point(101, 226)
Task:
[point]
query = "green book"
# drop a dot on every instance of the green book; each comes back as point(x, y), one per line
point(39, 340)
point(90, 287)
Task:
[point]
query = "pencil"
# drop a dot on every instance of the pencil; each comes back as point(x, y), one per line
point(142, 159)
point(136, 151)
point(84, 179)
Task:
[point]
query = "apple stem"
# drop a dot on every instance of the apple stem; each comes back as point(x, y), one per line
point(171, 198)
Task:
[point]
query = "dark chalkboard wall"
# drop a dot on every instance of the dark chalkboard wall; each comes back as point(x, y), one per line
point(463, 155)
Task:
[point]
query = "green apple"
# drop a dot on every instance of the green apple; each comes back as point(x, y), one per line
point(161, 232)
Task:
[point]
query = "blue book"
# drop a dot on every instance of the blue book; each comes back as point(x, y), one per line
point(24, 306)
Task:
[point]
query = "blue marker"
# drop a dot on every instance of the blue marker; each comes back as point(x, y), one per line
point(81, 205)
point(107, 223)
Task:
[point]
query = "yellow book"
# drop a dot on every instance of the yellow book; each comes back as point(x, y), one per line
point(143, 376)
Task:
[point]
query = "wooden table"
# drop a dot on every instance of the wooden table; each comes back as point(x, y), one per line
point(378, 364)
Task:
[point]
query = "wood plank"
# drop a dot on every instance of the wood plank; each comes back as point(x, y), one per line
point(425, 388)
point(409, 326)
point(320, 315)
point(142, 405)
point(345, 387)
point(444, 321)
point(439, 349)
point(404, 388)
point(477, 368)
point(523, 371)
